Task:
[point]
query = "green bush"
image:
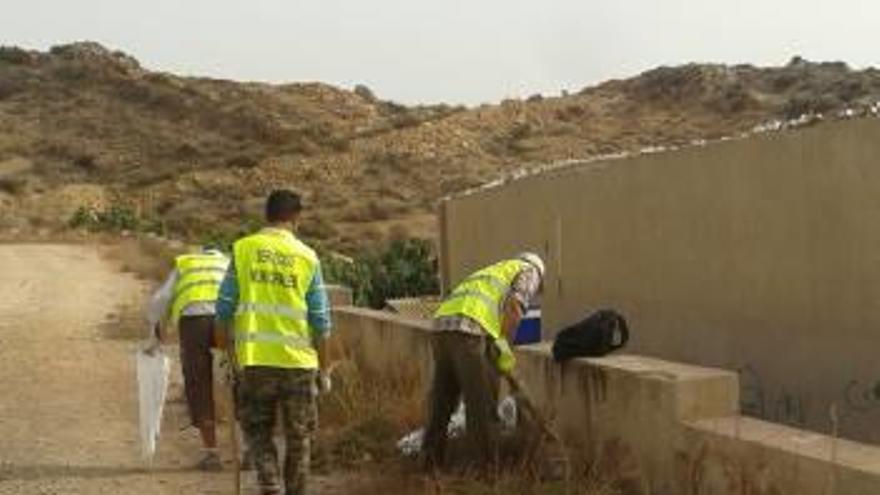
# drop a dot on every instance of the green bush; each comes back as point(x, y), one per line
point(115, 218)
point(403, 268)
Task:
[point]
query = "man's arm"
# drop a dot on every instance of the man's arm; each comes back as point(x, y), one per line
point(319, 316)
point(523, 290)
point(157, 311)
point(513, 313)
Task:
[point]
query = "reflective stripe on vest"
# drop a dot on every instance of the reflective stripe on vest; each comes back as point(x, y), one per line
point(481, 295)
point(198, 280)
point(484, 298)
point(274, 271)
point(272, 309)
point(276, 338)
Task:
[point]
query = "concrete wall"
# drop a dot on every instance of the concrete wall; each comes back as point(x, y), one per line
point(375, 340)
point(661, 428)
point(759, 255)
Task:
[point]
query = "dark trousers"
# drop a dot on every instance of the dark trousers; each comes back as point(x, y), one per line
point(196, 339)
point(262, 392)
point(463, 368)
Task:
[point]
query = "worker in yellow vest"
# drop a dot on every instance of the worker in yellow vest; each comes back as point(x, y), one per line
point(473, 330)
point(274, 307)
point(188, 297)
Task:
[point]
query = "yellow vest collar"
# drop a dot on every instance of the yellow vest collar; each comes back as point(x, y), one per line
point(278, 232)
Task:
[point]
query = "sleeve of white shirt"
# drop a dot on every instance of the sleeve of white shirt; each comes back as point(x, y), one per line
point(525, 286)
point(161, 300)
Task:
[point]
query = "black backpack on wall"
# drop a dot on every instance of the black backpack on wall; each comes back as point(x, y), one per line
point(602, 332)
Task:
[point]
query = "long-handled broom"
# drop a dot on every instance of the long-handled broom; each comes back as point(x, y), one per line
point(519, 391)
point(233, 431)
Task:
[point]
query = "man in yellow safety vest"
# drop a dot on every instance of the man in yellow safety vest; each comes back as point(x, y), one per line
point(274, 307)
point(473, 329)
point(188, 296)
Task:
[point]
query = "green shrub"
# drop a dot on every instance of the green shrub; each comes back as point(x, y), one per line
point(15, 55)
point(403, 268)
point(115, 218)
point(352, 273)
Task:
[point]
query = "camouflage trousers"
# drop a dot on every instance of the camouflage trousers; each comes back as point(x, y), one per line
point(263, 391)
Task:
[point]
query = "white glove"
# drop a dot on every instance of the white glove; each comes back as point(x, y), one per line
point(325, 384)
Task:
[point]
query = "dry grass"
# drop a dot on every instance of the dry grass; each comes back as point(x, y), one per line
point(125, 323)
point(366, 414)
point(404, 483)
point(148, 259)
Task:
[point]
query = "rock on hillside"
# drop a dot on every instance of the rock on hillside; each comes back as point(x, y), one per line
point(198, 154)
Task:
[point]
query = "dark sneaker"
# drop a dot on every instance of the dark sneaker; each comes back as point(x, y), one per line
point(210, 462)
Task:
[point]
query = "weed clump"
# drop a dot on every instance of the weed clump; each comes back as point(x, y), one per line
point(364, 416)
point(367, 413)
point(115, 218)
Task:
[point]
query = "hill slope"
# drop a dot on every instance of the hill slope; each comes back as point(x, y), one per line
point(85, 125)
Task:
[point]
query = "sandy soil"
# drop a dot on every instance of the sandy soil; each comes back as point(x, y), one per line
point(68, 404)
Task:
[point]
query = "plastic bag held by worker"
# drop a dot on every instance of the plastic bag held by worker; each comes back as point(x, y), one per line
point(153, 369)
point(602, 332)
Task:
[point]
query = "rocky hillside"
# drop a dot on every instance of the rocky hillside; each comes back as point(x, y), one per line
point(84, 125)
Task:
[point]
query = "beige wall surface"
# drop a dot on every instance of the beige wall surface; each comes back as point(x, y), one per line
point(760, 255)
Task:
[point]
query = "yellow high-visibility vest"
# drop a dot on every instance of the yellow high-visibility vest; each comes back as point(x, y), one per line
point(198, 280)
point(274, 271)
point(481, 295)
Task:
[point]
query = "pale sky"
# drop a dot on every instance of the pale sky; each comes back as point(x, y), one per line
point(454, 51)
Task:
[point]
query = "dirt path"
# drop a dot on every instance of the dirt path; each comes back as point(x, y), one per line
point(68, 406)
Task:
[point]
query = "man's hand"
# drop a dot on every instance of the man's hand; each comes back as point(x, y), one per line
point(323, 380)
point(151, 346)
point(506, 361)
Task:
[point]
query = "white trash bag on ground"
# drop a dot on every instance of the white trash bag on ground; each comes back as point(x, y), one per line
point(411, 444)
point(153, 369)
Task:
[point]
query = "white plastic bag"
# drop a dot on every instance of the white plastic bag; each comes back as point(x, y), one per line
point(411, 444)
point(152, 376)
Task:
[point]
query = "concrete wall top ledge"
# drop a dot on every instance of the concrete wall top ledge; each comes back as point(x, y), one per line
point(385, 316)
point(646, 367)
point(691, 392)
point(781, 438)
